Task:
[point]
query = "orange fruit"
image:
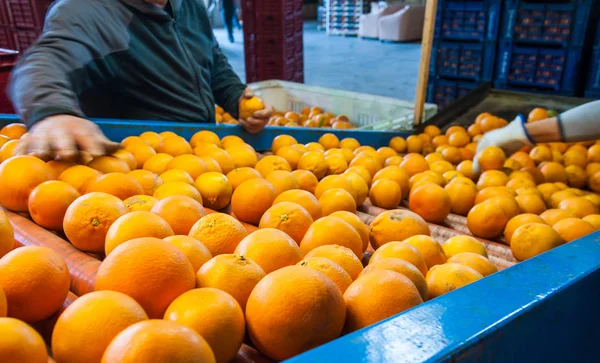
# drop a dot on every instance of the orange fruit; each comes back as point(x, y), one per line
point(314, 146)
point(145, 342)
point(451, 174)
point(21, 343)
point(303, 198)
point(334, 181)
point(492, 178)
point(194, 250)
point(594, 182)
point(147, 180)
point(576, 176)
point(337, 199)
point(211, 164)
point(530, 203)
point(127, 227)
point(169, 189)
point(378, 295)
point(231, 140)
point(337, 164)
point(359, 186)
point(462, 197)
point(466, 168)
point(237, 275)
point(403, 251)
point(14, 130)
point(431, 251)
point(575, 157)
point(8, 149)
point(356, 223)
point(371, 163)
point(88, 219)
point(540, 153)
point(523, 158)
point(306, 180)
point(460, 244)
point(518, 183)
point(439, 140)
point(433, 157)
point(452, 155)
point(329, 141)
point(414, 164)
point(205, 136)
point(491, 123)
point(362, 172)
point(340, 255)
point(594, 198)
point(459, 139)
point(314, 162)
point(142, 152)
point(385, 193)
point(552, 216)
point(271, 163)
point(219, 155)
point(532, 239)
point(48, 203)
point(270, 248)
point(179, 212)
point(77, 327)
point(150, 270)
point(58, 167)
point(319, 234)
point(396, 225)
point(18, 177)
point(402, 267)
point(157, 163)
point(491, 192)
point(432, 130)
point(110, 164)
point(239, 175)
point(570, 229)
point(397, 174)
point(580, 206)
point(251, 199)
point(151, 138)
point(174, 146)
point(302, 292)
point(414, 144)
point(349, 143)
point(282, 180)
point(218, 319)
point(431, 202)
point(508, 204)
point(398, 144)
point(441, 166)
point(537, 114)
point(593, 219)
point(481, 116)
point(7, 241)
point(191, 164)
point(491, 158)
point(282, 141)
point(475, 261)
point(288, 217)
point(448, 277)
point(554, 172)
point(219, 232)
point(215, 189)
point(176, 175)
point(330, 269)
point(134, 140)
point(474, 130)
point(46, 287)
point(120, 185)
point(486, 220)
point(291, 155)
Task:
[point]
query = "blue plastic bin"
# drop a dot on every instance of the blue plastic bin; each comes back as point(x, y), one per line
point(539, 68)
point(444, 92)
point(468, 20)
point(564, 24)
point(462, 60)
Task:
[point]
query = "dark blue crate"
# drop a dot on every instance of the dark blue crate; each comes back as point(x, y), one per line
point(462, 60)
point(444, 92)
point(547, 23)
point(470, 20)
point(539, 90)
point(543, 68)
point(593, 81)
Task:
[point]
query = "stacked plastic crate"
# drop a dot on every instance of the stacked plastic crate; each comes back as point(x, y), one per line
point(464, 48)
point(544, 46)
point(592, 89)
point(321, 16)
point(21, 22)
point(343, 16)
point(273, 42)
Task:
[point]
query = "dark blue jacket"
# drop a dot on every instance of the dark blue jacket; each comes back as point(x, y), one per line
point(125, 59)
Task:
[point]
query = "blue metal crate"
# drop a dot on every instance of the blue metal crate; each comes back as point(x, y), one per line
point(444, 92)
point(593, 81)
point(462, 60)
point(471, 20)
point(543, 68)
point(558, 24)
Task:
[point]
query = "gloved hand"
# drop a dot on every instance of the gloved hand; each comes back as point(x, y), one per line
point(259, 119)
point(510, 138)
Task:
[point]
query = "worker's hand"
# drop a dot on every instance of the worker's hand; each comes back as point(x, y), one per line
point(510, 138)
point(259, 118)
point(61, 137)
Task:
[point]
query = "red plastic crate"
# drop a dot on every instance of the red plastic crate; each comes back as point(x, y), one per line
point(25, 38)
point(4, 19)
point(27, 14)
point(274, 68)
point(269, 24)
point(7, 61)
point(287, 7)
point(276, 47)
point(7, 39)
point(298, 44)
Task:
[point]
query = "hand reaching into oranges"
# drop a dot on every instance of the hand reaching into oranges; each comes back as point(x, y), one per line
point(254, 114)
point(63, 137)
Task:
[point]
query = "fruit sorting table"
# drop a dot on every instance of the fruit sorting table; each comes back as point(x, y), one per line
point(541, 309)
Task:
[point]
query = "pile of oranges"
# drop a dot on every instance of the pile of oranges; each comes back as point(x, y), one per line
point(290, 244)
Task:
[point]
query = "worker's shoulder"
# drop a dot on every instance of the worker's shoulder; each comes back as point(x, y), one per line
point(87, 12)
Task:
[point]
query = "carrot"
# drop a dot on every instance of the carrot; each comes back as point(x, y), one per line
point(82, 267)
point(46, 326)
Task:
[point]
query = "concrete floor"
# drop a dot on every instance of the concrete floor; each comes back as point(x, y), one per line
point(348, 63)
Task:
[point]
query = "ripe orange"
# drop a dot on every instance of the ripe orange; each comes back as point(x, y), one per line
point(270, 248)
point(554, 172)
point(475, 261)
point(576, 176)
point(288, 217)
point(571, 229)
point(282, 180)
point(92, 321)
point(239, 175)
point(191, 164)
point(152, 138)
point(205, 136)
point(120, 185)
point(492, 178)
point(552, 216)
point(235, 274)
point(58, 167)
point(271, 163)
point(242, 155)
point(540, 153)
point(487, 220)
point(336, 163)
point(109, 164)
point(518, 221)
point(350, 143)
point(368, 161)
point(537, 114)
point(281, 141)
point(319, 234)
point(14, 130)
point(593, 219)
point(402, 267)
point(147, 180)
point(150, 270)
point(169, 189)
point(462, 196)
point(444, 278)
point(523, 158)
point(141, 152)
point(378, 295)
point(180, 212)
point(133, 140)
point(356, 223)
point(414, 144)
point(329, 141)
point(215, 189)
point(403, 251)
point(491, 192)
point(231, 140)
point(219, 155)
point(530, 203)
point(48, 203)
point(359, 186)
point(414, 164)
point(396, 225)
point(337, 199)
point(21, 343)
point(211, 164)
point(430, 249)
point(580, 206)
point(174, 146)
point(145, 342)
point(127, 228)
point(251, 199)
point(466, 169)
point(575, 157)
point(291, 155)
point(385, 193)
point(330, 269)
point(334, 181)
point(219, 232)
point(397, 174)
point(460, 244)
point(218, 319)
point(7, 150)
point(157, 163)
point(46, 287)
point(194, 250)
point(398, 144)
point(302, 292)
point(18, 177)
point(432, 130)
point(532, 239)
point(342, 256)
point(491, 123)
point(481, 116)
point(303, 198)
point(491, 158)
point(431, 202)
point(176, 175)
point(306, 180)
point(7, 240)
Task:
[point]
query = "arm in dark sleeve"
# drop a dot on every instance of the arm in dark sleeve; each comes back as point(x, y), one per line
point(42, 83)
point(226, 86)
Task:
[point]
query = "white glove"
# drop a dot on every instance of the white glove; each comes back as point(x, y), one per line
point(510, 138)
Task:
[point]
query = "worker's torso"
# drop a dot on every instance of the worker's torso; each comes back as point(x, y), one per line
point(164, 72)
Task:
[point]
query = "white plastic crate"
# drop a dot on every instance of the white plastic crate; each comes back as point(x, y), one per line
point(367, 112)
